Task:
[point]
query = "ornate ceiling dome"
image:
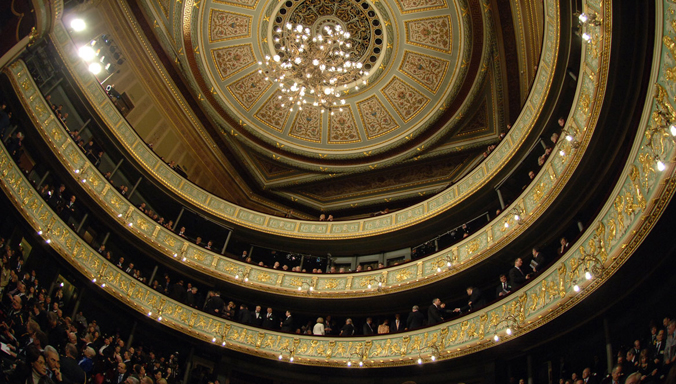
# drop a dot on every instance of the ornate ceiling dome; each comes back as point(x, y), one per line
point(434, 94)
point(414, 53)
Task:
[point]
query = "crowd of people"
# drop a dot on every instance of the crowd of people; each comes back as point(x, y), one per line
point(647, 358)
point(42, 345)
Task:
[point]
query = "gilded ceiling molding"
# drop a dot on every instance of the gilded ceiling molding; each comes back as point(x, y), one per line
point(441, 202)
point(481, 245)
point(641, 194)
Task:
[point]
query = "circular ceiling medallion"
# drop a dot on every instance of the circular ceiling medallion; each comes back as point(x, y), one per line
point(414, 54)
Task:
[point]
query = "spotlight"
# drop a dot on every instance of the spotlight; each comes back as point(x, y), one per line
point(78, 25)
point(86, 53)
point(95, 68)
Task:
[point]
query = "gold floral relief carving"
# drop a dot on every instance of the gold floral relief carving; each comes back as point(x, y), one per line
point(200, 256)
point(538, 192)
point(168, 240)
point(473, 246)
point(403, 275)
point(143, 224)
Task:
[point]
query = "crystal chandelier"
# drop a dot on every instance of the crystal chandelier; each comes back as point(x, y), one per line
point(312, 68)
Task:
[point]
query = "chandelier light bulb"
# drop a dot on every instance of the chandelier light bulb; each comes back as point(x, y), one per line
point(661, 166)
point(672, 129)
point(588, 275)
point(576, 288)
point(583, 18)
point(586, 37)
point(508, 331)
point(496, 338)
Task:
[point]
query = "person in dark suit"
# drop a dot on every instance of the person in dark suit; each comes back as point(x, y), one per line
point(287, 324)
point(657, 350)
point(244, 315)
point(516, 275)
point(70, 370)
point(587, 376)
point(475, 301)
point(368, 327)
point(121, 375)
point(257, 317)
point(538, 262)
point(435, 312)
point(397, 325)
point(504, 288)
point(215, 304)
point(270, 321)
point(415, 319)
